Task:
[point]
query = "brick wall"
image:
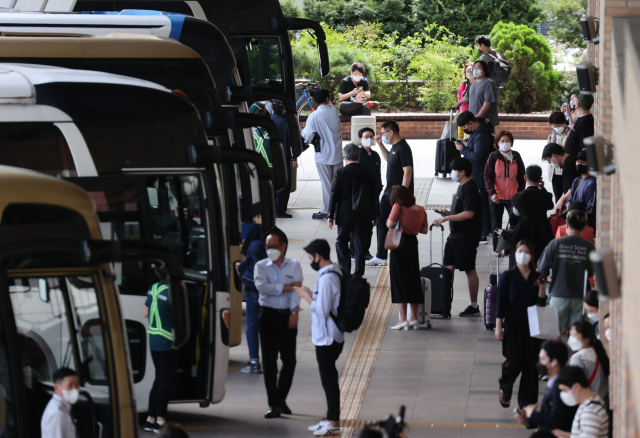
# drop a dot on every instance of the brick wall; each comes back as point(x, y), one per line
point(430, 126)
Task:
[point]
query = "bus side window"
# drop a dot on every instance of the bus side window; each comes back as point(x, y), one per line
point(265, 62)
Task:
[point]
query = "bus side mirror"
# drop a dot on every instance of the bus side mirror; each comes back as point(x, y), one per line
point(284, 24)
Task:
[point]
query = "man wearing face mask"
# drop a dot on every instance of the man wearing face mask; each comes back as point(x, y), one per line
point(584, 189)
point(482, 95)
point(275, 278)
point(559, 133)
point(591, 306)
point(556, 155)
point(371, 160)
point(353, 91)
point(551, 413)
point(592, 417)
point(477, 150)
point(583, 126)
point(569, 110)
point(57, 420)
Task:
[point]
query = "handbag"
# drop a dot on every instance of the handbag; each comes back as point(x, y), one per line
point(543, 323)
point(395, 236)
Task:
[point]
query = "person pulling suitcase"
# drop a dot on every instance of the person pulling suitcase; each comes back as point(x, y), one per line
point(465, 223)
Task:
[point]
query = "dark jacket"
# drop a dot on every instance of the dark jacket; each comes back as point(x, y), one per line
point(477, 150)
point(497, 169)
point(524, 229)
point(542, 202)
point(372, 162)
point(553, 414)
point(281, 123)
point(256, 253)
point(342, 194)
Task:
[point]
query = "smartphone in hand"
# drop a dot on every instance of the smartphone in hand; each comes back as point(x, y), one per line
point(442, 213)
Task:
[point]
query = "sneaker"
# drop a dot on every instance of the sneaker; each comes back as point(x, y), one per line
point(319, 215)
point(148, 426)
point(470, 311)
point(157, 427)
point(327, 429)
point(375, 261)
point(483, 240)
point(317, 426)
point(252, 368)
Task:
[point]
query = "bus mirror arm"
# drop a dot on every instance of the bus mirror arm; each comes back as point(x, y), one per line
point(203, 156)
point(285, 24)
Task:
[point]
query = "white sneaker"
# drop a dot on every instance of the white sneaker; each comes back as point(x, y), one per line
point(327, 429)
point(317, 426)
point(376, 262)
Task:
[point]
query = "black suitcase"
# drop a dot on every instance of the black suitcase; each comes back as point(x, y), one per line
point(441, 281)
point(446, 151)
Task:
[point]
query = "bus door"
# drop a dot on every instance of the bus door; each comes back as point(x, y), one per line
point(169, 210)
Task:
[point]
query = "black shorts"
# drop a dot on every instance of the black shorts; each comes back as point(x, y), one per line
point(461, 253)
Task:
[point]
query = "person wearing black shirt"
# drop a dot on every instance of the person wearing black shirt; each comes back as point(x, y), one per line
point(371, 160)
point(555, 154)
point(282, 196)
point(353, 91)
point(583, 126)
point(399, 172)
point(465, 224)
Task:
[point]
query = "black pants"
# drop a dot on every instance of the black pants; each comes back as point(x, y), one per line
point(521, 353)
point(165, 363)
point(385, 211)
point(276, 336)
point(282, 196)
point(497, 211)
point(327, 357)
point(557, 185)
point(359, 233)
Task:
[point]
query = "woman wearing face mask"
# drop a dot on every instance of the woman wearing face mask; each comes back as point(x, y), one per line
point(590, 355)
point(591, 306)
point(503, 178)
point(518, 289)
point(559, 133)
point(464, 86)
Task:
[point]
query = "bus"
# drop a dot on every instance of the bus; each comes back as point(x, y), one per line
point(59, 307)
point(141, 151)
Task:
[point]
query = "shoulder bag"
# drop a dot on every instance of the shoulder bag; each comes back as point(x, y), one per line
point(395, 236)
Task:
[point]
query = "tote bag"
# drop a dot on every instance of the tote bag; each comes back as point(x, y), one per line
point(395, 236)
point(543, 323)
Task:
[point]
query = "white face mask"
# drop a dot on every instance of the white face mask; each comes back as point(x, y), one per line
point(523, 258)
point(558, 130)
point(477, 73)
point(469, 75)
point(515, 211)
point(574, 343)
point(455, 177)
point(356, 78)
point(273, 254)
point(70, 395)
point(504, 147)
point(366, 142)
point(607, 334)
point(568, 398)
point(593, 316)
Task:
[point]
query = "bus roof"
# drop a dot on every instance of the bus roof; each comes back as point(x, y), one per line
point(21, 186)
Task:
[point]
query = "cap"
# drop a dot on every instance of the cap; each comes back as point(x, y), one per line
point(465, 118)
point(255, 209)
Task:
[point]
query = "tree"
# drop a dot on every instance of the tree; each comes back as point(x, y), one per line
point(469, 18)
point(564, 16)
point(396, 15)
point(534, 82)
point(290, 9)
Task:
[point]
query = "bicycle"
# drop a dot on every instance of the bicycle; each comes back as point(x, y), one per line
point(305, 103)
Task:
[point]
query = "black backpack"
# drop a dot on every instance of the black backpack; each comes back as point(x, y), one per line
point(501, 72)
point(354, 300)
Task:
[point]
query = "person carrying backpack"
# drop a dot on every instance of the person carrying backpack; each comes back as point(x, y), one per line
point(325, 334)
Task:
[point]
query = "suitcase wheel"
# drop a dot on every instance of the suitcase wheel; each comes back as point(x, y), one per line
point(436, 174)
point(447, 316)
point(429, 325)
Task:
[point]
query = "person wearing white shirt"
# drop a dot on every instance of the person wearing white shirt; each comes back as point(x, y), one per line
point(325, 122)
point(57, 420)
point(325, 335)
point(275, 278)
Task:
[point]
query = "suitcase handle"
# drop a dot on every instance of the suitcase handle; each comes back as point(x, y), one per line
point(451, 124)
point(431, 243)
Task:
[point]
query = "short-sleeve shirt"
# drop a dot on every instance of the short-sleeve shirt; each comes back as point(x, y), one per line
point(400, 156)
point(412, 220)
point(159, 342)
point(347, 85)
point(481, 92)
point(467, 198)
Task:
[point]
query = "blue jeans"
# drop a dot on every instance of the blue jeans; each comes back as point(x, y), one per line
point(253, 317)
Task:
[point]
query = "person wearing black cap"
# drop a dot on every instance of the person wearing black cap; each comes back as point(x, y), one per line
point(584, 188)
point(478, 148)
point(254, 250)
point(588, 233)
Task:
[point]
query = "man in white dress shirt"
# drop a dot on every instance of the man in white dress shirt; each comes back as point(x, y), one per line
point(325, 335)
point(57, 420)
point(275, 278)
point(325, 122)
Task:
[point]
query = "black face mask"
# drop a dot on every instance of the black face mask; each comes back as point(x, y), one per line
point(582, 169)
point(315, 265)
point(542, 370)
point(466, 131)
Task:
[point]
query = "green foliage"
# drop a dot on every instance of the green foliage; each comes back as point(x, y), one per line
point(534, 82)
point(565, 21)
point(395, 15)
point(567, 84)
point(290, 8)
point(469, 18)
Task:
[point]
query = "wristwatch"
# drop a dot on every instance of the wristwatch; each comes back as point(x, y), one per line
point(294, 312)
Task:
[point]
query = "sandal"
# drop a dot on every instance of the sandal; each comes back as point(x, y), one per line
point(503, 403)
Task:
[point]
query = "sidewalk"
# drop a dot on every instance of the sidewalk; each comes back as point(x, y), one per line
point(446, 376)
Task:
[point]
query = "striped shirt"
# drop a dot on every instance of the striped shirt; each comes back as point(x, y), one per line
point(591, 420)
point(586, 359)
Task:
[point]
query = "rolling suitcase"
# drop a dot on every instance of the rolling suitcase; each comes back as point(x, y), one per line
point(441, 282)
point(491, 298)
point(446, 151)
point(424, 310)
